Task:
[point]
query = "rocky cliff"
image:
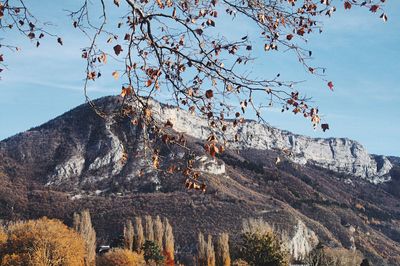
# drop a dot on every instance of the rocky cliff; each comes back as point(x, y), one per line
point(337, 154)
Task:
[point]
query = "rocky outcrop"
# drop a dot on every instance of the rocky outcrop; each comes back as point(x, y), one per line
point(337, 154)
point(302, 241)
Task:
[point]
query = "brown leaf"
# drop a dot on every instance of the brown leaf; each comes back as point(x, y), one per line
point(103, 58)
point(91, 75)
point(115, 74)
point(1, 58)
point(117, 49)
point(149, 82)
point(347, 5)
point(31, 35)
point(59, 40)
point(199, 31)
point(116, 2)
point(126, 91)
point(374, 8)
point(127, 37)
point(289, 37)
point(209, 94)
point(324, 127)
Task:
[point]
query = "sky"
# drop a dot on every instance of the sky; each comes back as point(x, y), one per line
point(360, 52)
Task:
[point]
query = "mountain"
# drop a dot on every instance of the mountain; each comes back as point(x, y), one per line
point(323, 190)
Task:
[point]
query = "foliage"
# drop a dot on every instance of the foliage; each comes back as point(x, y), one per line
point(121, 257)
point(152, 252)
point(139, 234)
point(158, 231)
point(262, 248)
point(42, 242)
point(325, 256)
point(222, 255)
point(3, 236)
point(149, 228)
point(239, 262)
point(205, 251)
point(128, 235)
point(169, 242)
point(83, 225)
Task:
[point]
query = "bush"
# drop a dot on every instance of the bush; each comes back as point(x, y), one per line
point(152, 252)
point(325, 256)
point(240, 262)
point(260, 245)
point(121, 257)
point(262, 249)
point(38, 242)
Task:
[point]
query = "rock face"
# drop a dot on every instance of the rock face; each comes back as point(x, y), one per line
point(337, 154)
point(302, 242)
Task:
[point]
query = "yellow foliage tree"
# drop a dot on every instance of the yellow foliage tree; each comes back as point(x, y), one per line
point(223, 257)
point(121, 257)
point(83, 225)
point(3, 236)
point(169, 242)
point(42, 242)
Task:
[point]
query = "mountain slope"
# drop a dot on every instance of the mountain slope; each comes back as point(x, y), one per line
point(340, 192)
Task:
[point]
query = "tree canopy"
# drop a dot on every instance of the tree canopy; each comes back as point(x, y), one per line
point(38, 242)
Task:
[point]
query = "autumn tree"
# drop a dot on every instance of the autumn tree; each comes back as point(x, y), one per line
point(261, 245)
point(121, 257)
point(148, 228)
point(139, 234)
point(205, 251)
point(3, 235)
point(222, 250)
point(168, 241)
point(180, 50)
point(158, 232)
point(128, 235)
point(83, 225)
point(42, 242)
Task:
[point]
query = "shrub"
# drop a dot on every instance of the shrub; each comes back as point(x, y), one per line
point(152, 252)
point(42, 242)
point(240, 262)
point(325, 256)
point(121, 257)
point(261, 246)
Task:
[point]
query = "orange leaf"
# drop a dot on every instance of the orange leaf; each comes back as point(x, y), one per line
point(149, 82)
point(126, 91)
point(115, 74)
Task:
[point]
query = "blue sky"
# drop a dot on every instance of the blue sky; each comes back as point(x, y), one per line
point(360, 51)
